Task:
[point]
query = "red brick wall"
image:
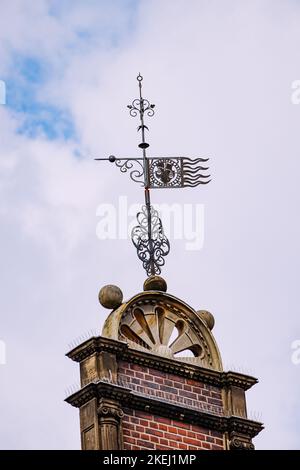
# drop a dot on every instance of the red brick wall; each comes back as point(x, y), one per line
point(146, 431)
point(143, 431)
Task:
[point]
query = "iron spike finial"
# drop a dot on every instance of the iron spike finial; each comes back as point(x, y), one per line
point(139, 107)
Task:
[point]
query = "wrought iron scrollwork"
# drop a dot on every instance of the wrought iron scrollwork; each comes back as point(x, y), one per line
point(150, 251)
point(141, 106)
point(136, 174)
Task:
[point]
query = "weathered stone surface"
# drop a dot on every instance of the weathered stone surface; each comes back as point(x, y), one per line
point(155, 283)
point(159, 322)
point(110, 296)
point(207, 317)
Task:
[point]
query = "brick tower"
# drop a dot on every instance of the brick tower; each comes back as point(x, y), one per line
point(154, 379)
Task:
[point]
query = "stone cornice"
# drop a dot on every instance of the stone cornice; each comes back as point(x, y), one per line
point(244, 425)
point(96, 344)
point(123, 352)
point(239, 380)
point(128, 398)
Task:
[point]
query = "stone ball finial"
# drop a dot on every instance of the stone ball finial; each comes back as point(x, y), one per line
point(110, 297)
point(155, 283)
point(207, 317)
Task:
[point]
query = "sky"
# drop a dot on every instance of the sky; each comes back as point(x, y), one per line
point(222, 76)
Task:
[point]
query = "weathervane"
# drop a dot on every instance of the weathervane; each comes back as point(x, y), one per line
point(155, 172)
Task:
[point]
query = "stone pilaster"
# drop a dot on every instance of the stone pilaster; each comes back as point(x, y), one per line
point(110, 416)
point(89, 428)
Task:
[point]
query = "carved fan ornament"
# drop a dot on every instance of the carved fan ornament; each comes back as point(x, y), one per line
point(163, 329)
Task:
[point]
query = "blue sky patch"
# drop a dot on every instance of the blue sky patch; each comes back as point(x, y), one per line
point(48, 121)
point(30, 73)
point(31, 69)
point(22, 97)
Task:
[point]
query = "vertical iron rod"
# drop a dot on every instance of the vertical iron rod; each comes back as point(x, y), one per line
point(146, 179)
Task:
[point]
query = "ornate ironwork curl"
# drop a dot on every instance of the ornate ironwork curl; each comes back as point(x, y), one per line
point(140, 107)
point(137, 174)
point(150, 251)
point(135, 107)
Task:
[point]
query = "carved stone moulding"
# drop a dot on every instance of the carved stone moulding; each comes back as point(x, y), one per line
point(109, 409)
point(240, 442)
point(126, 398)
point(110, 415)
point(122, 351)
point(161, 324)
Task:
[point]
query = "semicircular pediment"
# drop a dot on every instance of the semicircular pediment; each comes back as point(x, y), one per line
point(158, 323)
